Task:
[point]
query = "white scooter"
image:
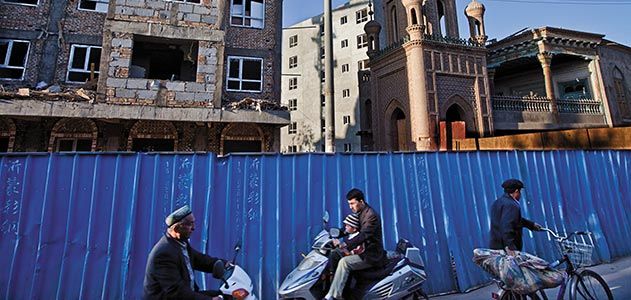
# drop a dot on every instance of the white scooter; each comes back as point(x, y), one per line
point(236, 282)
point(400, 278)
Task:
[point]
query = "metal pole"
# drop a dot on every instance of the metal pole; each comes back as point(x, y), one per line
point(329, 94)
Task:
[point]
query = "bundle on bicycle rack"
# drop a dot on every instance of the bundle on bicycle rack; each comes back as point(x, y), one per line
point(578, 249)
point(523, 273)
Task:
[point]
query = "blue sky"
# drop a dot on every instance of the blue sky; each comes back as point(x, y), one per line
point(504, 17)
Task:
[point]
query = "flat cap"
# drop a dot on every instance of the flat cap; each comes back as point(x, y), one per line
point(178, 215)
point(513, 184)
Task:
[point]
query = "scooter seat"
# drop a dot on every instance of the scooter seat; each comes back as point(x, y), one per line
point(376, 273)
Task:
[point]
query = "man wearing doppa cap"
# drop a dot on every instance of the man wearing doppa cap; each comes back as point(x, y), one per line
point(506, 220)
point(169, 273)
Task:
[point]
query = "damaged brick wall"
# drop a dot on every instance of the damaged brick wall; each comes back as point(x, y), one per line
point(129, 80)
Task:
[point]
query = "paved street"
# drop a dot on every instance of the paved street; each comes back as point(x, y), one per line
point(617, 275)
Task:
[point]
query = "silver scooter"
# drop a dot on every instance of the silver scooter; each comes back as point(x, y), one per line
point(400, 278)
point(236, 282)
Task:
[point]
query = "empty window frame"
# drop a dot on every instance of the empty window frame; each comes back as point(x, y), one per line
point(345, 68)
point(165, 59)
point(94, 5)
point(361, 15)
point(343, 20)
point(346, 120)
point(293, 104)
point(83, 59)
point(13, 58)
point(293, 61)
point(346, 93)
point(245, 74)
point(293, 83)
point(362, 41)
point(348, 147)
point(293, 128)
point(344, 43)
point(22, 2)
point(74, 145)
point(247, 13)
point(293, 41)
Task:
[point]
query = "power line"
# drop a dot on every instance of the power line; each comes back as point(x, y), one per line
point(569, 2)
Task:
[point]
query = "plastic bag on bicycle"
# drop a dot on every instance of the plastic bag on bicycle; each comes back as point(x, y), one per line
point(523, 274)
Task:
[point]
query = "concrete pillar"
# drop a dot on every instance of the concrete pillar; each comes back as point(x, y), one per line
point(546, 60)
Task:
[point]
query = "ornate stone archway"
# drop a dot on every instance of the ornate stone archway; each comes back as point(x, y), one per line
point(468, 112)
point(144, 129)
point(246, 132)
point(7, 131)
point(70, 128)
point(397, 127)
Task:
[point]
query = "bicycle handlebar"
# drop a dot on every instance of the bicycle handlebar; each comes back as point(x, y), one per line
point(562, 238)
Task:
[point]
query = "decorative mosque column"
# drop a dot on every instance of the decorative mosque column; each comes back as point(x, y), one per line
point(372, 29)
point(475, 14)
point(545, 58)
point(417, 86)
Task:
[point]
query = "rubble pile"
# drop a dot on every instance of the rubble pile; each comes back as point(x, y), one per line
point(254, 104)
point(50, 93)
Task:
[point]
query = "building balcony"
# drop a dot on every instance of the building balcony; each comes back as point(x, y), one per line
point(535, 113)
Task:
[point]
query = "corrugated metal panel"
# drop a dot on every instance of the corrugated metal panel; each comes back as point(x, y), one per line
point(81, 226)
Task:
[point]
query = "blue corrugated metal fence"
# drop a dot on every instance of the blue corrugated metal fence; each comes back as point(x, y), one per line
point(81, 226)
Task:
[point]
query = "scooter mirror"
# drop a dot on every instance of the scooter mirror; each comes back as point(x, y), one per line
point(325, 218)
point(219, 269)
point(237, 247)
point(335, 232)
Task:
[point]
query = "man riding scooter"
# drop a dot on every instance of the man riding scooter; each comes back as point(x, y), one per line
point(369, 235)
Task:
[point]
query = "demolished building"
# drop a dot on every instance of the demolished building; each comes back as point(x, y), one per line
point(169, 75)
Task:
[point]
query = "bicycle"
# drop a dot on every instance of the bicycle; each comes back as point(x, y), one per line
point(582, 283)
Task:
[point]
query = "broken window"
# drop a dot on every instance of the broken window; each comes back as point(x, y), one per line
point(245, 74)
point(25, 2)
point(94, 5)
point(84, 63)
point(13, 54)
point(153, 145)
point(161, 58)
point(74, 145)
point(247, 13)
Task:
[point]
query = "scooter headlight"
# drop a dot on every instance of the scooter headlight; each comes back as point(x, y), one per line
point(240, 294)
point(307, 263)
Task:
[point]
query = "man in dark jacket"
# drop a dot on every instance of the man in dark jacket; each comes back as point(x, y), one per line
point(169, 273)
point(506, 220)
point(369, 234)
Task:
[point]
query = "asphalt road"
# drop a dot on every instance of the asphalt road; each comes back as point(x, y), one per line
point(617, 274)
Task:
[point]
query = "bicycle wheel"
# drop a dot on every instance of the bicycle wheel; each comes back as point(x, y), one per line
point(589, 285)
point(508, 295)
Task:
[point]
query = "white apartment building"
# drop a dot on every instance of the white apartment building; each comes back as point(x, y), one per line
point(302, 88)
